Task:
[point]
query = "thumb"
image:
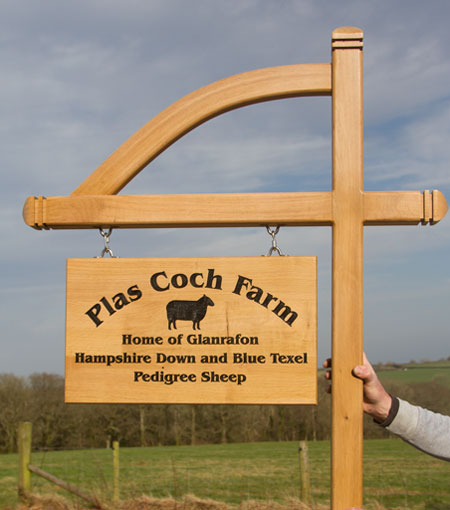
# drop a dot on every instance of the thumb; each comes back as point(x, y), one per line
point(362, 372)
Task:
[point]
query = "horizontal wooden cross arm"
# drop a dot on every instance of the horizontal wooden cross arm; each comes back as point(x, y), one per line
point(226, 210)
point(404, 207)
point(197, 210)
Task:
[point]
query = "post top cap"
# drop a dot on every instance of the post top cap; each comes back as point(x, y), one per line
point(347, 33)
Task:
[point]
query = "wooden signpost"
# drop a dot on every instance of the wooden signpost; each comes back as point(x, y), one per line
point(347, 209)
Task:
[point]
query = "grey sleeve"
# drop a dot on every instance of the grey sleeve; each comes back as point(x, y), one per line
point(427, 431)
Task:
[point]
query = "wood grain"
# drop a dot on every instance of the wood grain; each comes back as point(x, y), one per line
point(347, 277)
point(270, 299)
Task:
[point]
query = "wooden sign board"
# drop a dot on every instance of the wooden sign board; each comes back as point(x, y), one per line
point(192, 330)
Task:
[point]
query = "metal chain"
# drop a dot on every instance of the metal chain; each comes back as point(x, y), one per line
point(274, 247)
point(106, 249)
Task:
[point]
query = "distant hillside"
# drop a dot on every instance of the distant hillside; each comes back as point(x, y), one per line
point(409, 373)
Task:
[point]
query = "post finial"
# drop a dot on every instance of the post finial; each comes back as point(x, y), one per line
point(440, 206)
point(347, 37)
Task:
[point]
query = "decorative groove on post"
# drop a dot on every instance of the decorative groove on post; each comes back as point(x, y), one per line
point(427, 207)
point(347, 37)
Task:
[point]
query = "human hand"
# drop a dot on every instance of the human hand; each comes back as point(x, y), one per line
point(376, 400)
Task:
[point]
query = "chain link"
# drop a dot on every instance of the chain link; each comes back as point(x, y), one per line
point(106, 249)
point(274, 247)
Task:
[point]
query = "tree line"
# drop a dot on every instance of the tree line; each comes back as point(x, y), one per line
point(39, 398)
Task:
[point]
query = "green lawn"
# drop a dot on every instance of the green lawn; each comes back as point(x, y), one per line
point(396, 475)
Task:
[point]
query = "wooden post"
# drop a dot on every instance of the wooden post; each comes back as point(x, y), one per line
point(115, 448)
point(347, 293)
point(304, 473)
point(24, 446)
point(193, 424)
point(142, 425)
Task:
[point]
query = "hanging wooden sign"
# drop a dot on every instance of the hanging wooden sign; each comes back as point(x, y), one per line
point(192, 330)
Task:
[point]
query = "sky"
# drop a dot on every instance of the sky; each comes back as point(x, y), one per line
point(79, 78)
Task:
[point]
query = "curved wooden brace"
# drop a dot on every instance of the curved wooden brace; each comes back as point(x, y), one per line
point(198, 107)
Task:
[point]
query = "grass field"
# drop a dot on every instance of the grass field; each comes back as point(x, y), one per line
point(435, 371)
point(417, 375)
point(396, 475)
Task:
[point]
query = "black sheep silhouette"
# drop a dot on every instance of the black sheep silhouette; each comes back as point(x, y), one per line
point(193, 311)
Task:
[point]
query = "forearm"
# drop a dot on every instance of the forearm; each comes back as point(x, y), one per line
point(427, 431)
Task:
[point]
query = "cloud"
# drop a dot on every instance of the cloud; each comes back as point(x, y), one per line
point(79, 78)
point(231, 163)
point(406, 76)
point(413, 154)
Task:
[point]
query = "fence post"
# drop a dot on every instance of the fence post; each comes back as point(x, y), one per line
point(115, 447)
point(24, 446)
point(142, 425)
point(304, 473)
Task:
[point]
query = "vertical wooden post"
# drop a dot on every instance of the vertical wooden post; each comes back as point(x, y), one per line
point(115, 447)
point(24, 446)
point(304, 473)
point(347, 293)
